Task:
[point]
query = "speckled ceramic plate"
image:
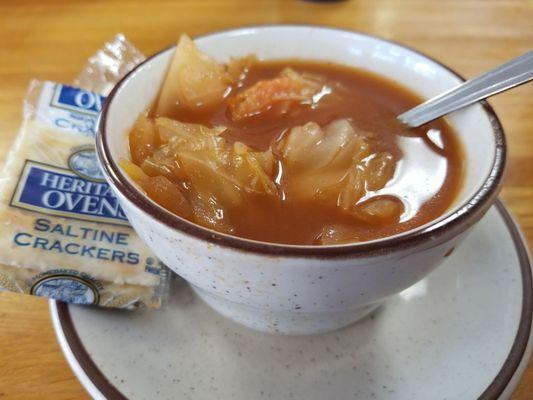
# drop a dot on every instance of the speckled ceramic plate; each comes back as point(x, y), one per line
point(461, 333)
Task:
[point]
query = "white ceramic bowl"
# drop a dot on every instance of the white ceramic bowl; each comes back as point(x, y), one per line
point(303, 289)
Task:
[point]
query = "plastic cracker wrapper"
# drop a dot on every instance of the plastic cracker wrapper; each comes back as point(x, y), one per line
point(114, 60)
point(63, 232)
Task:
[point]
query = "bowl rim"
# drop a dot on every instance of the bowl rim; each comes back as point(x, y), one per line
point(435, 232)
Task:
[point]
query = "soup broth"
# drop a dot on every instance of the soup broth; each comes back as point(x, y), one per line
point(294, 152)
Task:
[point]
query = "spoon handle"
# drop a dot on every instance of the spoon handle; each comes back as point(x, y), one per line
point(506, 76)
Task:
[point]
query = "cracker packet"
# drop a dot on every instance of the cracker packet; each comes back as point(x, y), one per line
point(63, 232)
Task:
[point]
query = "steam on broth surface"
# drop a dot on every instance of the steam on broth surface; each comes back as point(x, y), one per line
point(291, 151)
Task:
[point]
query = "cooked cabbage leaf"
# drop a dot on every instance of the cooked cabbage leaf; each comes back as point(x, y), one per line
point(193, 80)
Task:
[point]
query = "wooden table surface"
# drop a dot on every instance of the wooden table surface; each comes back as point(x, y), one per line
point(53, 39)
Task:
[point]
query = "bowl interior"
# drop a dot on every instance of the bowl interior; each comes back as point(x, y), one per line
point(409, 68)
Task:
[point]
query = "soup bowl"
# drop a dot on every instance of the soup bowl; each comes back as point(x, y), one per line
point(297, 289)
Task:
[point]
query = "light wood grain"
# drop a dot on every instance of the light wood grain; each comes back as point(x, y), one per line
point(52, 40)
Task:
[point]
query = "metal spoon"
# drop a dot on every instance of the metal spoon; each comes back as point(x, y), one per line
point(505, 77)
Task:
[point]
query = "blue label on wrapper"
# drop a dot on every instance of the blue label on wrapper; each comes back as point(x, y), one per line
point(69, 109)
point(76, 99)
point(59, 191)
